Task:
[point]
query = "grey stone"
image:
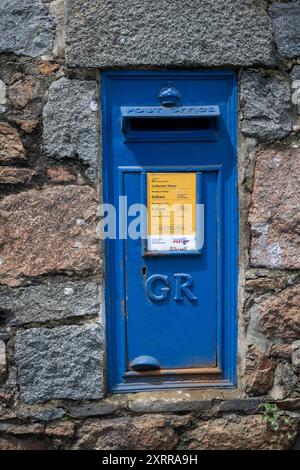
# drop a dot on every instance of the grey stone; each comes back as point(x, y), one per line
point(114, 33)
point(54, 301)
point(64, 362)
point(91, 409)
point(265, 104)
point(285, 382)
point(40, 414)
point(295, 73)
point(295, 77)
point(4, 336)
point(2, 93)
point(71, 123)
point(168, 405)
point(57, 10)
point(49, 415)
point(27, 28)
point(286, 21)
point(2, 361)
point(250, 404)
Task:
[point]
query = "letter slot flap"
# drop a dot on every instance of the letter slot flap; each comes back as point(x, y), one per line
point(158, 123)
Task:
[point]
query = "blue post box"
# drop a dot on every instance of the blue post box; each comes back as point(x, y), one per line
point(169, 140)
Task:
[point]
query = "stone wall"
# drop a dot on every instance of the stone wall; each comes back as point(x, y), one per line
point(52, 343)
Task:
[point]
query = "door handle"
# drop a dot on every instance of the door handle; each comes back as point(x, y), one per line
point(142, 363)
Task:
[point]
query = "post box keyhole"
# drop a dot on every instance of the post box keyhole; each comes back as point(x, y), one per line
point(144, 271)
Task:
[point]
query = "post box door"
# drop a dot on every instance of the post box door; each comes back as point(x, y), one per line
point(171, 297)
point(171, 300)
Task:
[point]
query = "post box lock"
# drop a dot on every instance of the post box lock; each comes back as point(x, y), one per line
point(169, 162)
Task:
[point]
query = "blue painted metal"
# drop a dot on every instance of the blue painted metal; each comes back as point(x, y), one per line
point(187, 334)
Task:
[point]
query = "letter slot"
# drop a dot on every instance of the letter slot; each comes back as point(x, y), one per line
point(176, 123)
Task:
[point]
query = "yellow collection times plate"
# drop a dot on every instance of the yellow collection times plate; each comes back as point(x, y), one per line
point(171, 204)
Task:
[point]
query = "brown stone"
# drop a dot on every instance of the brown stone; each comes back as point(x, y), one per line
point(22, 91)
point(47, 68)
point(239, 433)
point(259, 371)
point(262, 283)
point(149, 432)
point(18, 429)
point(5, 396)
point(9, 175)
point(62, 429)
point(275, 211)
point(282, 351)
point(59, 174)
point(27, 125)
point(12, 443)
point(280, 314)
point(111, 434)
point(11, 146)
point(48, 231)
point(289, 404)
point(153, 432)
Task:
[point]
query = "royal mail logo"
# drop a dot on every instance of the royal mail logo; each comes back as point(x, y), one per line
point(181, 241)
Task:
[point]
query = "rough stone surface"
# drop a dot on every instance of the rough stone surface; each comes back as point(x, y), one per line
point(3, 370)
point(22, 91)
point(280, 315)
point(12, 443)
point(27, 125)
point(275, 211)
point(283, 351)
point(23, 429)
point(259, 371)
point(202, 32)
point(285, 381)
point(10, 175)
point(290, 404)
point(36, 412)
point(60, 175)
point(295, 73)
point(71, 123)
point(29, 29)
point(57, 10)
point(91, 409)
point(11, 146)
point(265, 283)
point(286, 20)
point(243, 433)
point(62, 429)
point(46, 231)
point(47, 68)
point(150, 432)
point(168, 405)
point(265, 106)
point(63, 362)
point(245, 405)
point(2, 93)
point(295, 78)
point(54, 301)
